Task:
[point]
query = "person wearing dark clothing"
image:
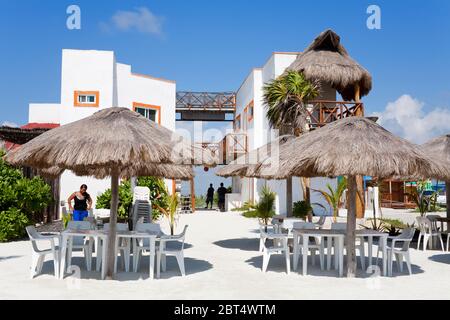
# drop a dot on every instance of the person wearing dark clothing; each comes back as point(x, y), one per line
point(221, 192)
point(210, 196)
point(83, 203)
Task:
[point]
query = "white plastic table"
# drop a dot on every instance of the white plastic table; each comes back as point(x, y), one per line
point(323, 234)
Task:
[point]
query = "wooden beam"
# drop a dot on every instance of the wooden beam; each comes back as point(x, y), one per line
point(112, 226)
point(289, 212)
point(192, 195)
point(360, 205)
point(447, 194)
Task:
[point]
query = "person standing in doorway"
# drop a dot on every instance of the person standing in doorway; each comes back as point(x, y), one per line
point(83, 203)
point(210, 196)
point(221, 192)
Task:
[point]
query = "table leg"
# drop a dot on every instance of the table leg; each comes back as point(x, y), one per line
point(98, 254)
point(63, 254)
point(305, 254)
point(384, 240)
point(295, 249)
point(152, 257)
point(104, 251)
point(341, 255)
point(336, 253)
point(370, 244)
point(329, 243)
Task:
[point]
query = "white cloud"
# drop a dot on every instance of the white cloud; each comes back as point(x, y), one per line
point(10, 124)
point(141, 20)
point(405, 117)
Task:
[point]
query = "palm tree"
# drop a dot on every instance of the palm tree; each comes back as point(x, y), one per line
point(286, 98)
point(333, 196)
point(170, 211)
point(265, 207)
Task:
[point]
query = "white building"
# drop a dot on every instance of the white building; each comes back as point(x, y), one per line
point(92, 80)
point(250, 117)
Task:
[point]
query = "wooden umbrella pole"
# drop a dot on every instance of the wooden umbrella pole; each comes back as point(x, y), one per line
point(112, 225)
point(351, 227)
point(289, 212)
point(447, 194)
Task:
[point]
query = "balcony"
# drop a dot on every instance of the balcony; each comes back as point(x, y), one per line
point(321, 112)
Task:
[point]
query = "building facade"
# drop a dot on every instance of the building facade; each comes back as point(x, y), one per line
point(92, 80)
point(250, 118)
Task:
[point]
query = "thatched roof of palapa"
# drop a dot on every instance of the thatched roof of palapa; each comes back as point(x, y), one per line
point(245, 165)
point(326, 60)
point(19, 135)
point(439, 147)
point(113, 139)
point(169, 171)
point(354, 146)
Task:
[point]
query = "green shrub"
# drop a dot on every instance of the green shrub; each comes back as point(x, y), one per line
point(33, 196)
point(125, 200)
point(264, 209)
point(301, 209)
point(156, 186)
point(12, 224)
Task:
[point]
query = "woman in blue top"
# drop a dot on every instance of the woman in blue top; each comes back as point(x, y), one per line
point(83, 203)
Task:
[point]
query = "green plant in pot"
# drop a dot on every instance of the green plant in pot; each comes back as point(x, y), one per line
point(170, 211)
point(302, 209)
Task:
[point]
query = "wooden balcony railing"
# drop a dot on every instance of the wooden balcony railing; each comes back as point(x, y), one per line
point(321, 112)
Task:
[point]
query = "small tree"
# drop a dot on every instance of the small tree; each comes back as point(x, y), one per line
point(333, 196)
point(264, 209)
point(171, 210)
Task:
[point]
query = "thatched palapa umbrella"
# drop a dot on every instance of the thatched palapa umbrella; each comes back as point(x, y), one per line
point(440, 148)
point(112, 142)
point(354, 146)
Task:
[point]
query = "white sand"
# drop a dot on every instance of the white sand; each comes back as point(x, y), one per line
point(223, 262)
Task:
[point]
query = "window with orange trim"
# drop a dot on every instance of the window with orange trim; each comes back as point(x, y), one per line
point(237, 123)
point(86, 98)
point(250, 110)
point(149, 111)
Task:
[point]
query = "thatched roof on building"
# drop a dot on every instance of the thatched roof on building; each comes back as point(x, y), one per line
point(439, 147)
point(327, 61)
point(19, 135)
point(110, 140)
point(353, 146)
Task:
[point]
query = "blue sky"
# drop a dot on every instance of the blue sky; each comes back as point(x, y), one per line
point(212, 45)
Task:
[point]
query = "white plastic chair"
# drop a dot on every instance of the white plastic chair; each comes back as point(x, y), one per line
point(400, 251)
point(279, 246)
point(143, 244)
point(321, 222)
point(123, 246)
point(271, 228)
point(359, 245)
point(38, 255)
point(427, 231)
point(80, 243)
point(313, 245)
point(175, 248)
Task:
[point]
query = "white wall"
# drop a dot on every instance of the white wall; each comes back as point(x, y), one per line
point(44, 113)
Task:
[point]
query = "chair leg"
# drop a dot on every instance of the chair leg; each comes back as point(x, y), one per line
point(261, 244)
point(425, 242)
point(313, 257)
point(180, 260)
point(442, 243)
point(408, 262)
point(163, 262)
point(418, 241)
point(362, 256)
point(158, 264)
point(448, 238)
point(266, 258)
point(288, 260)
point(34, 263)
point(69, 253)
point(390, 262)
point(127, 258)
point(399, 259)
point(40, 263)
point(56, 262)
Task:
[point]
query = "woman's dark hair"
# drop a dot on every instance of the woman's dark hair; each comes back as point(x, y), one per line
point(83, 186)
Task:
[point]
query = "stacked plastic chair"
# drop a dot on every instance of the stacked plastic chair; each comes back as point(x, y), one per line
point(142, 207)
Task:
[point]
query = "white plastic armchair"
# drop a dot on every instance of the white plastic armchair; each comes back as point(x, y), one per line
point(143, 244)
point(314, 244)
point(171, 246)
point(428, 231)
point(38, 255)
point(123, 246)
point(269, 228)
point(80, 243)
point(279, 246)
point(400, 248)
point(321, 222)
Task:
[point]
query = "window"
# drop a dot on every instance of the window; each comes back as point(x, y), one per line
point(250, 111)
point(86, 99)
point(149, 111)
point(237, 123)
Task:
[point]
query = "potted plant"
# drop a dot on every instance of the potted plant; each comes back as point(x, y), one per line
point(170, 211)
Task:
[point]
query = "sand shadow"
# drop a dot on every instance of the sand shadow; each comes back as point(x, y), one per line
point(9, 257)
point(245, 244)
point(441, 258)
